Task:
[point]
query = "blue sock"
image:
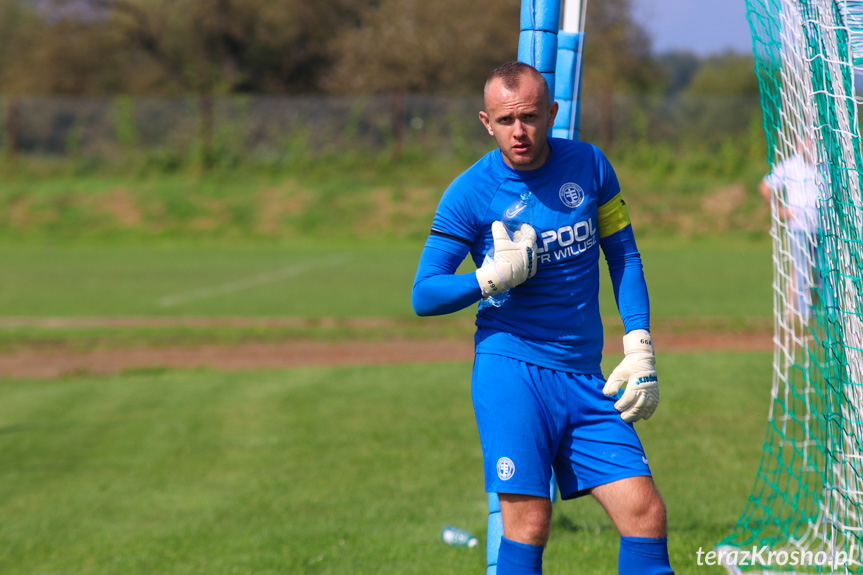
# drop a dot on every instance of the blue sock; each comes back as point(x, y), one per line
point(519, 558)
point(644, 556)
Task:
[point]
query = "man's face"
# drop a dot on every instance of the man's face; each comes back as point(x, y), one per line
point(519, 121)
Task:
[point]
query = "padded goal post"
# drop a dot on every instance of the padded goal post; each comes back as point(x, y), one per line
point(554, 47)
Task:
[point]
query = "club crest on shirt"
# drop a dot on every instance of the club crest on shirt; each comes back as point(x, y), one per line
point(571, 195)
point(505, 468)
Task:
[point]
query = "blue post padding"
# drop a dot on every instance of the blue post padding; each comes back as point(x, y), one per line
point(561, 121)
point(539, 49)
point(564, 111)
point(537, 42)
point(494, 534)
point(565, 75)
point(540, 15)
point(493, 503)
point(567, 93)
point(568, 40)
point(553, 487)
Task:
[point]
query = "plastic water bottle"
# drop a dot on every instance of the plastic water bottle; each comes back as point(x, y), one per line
point(458, 537)
point(521, 212)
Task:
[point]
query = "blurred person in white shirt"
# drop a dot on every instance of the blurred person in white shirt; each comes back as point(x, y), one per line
point(800, 190)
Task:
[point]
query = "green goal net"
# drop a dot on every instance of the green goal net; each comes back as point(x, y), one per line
point(805, 512)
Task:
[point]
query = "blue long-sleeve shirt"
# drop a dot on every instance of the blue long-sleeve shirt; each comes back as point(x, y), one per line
point(552, 319)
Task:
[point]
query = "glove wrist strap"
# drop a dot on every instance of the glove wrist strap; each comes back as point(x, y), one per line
point(638, 340)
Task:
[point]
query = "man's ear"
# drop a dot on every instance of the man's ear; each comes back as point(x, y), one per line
point(486, 121)
point(552, 114)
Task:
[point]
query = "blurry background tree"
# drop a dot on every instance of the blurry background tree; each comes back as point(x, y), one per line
point(206, 49)
point(617, 58)
point(17, 23)
point(169, 47)
point(677, 70)
point(420, 46)
point(716, 87)
point(401, 46)
point(203, 47)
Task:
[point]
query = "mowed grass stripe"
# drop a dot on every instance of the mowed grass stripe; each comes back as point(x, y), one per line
point(251, 282)
point(709, 279)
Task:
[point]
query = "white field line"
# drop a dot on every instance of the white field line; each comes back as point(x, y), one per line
point(250, 282)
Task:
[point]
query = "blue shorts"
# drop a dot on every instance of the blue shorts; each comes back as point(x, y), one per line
point(531, 419)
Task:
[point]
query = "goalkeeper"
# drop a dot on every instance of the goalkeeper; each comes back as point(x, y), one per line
point(539, 396)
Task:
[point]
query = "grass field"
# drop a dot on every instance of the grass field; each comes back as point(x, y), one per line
point(708, 279)
point(717, 284)
point(324, 470)
point(348, 470)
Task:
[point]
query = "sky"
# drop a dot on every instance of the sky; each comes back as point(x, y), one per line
point(705, 27)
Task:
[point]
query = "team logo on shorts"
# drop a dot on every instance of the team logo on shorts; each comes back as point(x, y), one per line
point(505, 468)
point(571, 195)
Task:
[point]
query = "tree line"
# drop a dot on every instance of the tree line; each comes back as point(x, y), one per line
point(209, 49)
point(223, 47)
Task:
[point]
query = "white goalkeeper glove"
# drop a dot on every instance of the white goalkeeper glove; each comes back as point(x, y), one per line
point(514, 260)
point(638, 373)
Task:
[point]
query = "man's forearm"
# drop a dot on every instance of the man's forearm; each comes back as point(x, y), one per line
point(443, 294)
point(627, 279)
point(437, 289)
